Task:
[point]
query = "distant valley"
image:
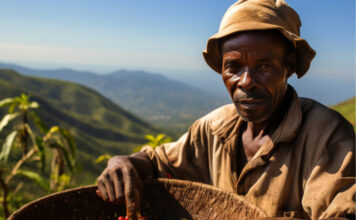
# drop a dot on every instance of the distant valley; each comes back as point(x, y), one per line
point(164, 102)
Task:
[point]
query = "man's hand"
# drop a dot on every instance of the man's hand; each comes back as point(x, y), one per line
point(121, 181)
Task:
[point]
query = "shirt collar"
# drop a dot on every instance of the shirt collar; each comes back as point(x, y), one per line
point(227, 125)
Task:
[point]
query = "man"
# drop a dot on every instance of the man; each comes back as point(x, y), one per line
point(290, 156)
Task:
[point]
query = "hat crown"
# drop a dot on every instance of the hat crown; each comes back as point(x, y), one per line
point(274, 12)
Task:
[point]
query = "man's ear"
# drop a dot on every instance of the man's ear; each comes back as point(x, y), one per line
point(291, 63)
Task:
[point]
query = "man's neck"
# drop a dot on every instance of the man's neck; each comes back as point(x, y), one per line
point(268, 126)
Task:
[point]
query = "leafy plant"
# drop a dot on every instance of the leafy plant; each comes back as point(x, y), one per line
point(30, 135)
point(102, 158)
point(154, 141)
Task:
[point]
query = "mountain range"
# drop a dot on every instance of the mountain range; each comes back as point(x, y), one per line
point(164, 102)
point(98, 125)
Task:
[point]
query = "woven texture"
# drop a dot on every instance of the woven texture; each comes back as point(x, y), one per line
point(162, 199)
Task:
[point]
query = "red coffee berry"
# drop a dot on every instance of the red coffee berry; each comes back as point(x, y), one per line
point(126, 218)
point(121, 218)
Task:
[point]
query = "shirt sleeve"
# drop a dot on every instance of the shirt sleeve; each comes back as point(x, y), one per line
point(186, 158)
point(330, 190)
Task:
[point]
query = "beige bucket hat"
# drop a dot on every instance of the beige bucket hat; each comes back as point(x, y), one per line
point(248, 15)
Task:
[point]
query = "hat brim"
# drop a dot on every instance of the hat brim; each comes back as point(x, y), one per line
point(304, 53)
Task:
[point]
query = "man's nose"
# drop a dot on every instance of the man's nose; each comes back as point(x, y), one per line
point(246, 81)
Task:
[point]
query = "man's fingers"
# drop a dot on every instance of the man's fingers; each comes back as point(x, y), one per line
point(102, 190)
point(129, 195)
point(110, 188)
point(118, 184)
point(98, 193)
point(132, 193)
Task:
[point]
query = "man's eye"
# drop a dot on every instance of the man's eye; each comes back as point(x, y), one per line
point(234, 67)
point(265, 67)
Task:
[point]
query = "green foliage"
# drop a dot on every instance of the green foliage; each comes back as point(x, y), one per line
point(9, 117)
point(33, 140)
point(103, 158)
point(14, 198)
point(158, 140)
point(35, 177)
point(154, 141)
point(7, 146)
point(97, 125)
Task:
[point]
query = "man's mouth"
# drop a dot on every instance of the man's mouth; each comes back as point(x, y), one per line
point(249, 103)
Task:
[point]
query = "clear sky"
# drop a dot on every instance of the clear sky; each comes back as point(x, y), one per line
point(164, 36)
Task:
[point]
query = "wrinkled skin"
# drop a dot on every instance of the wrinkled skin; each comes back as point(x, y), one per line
point(255, 69)
point(121, 181)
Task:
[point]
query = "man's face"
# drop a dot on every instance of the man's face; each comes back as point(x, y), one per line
point(255, 72)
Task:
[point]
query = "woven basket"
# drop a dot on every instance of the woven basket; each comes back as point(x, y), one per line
point(162, 199)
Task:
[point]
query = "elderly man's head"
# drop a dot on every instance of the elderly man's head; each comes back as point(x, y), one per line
point(256, 50)
point(253, 15)
point(255, 69)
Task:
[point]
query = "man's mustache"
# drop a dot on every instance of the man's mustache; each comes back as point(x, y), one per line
point(249, 95)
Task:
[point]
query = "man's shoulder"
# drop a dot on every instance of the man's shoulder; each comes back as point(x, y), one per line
point(313, 108)
point(320, 117)
point(220, 117)
point(223, 112)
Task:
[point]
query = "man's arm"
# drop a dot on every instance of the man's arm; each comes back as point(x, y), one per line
point(121, 181)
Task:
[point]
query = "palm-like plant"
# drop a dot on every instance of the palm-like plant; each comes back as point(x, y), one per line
point(33, 138)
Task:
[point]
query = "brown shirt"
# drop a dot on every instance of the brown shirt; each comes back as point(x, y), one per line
point(306, 169)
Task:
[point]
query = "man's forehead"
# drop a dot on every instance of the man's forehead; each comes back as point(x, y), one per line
point(253, 40)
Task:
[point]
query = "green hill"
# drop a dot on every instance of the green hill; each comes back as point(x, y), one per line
point(347, 109)
point(98, 125)
point(164, 102)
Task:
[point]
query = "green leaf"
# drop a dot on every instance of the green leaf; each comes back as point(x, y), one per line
point(167, 140)
point(36, 178)
point(53, 130)
point(12, 107)
point(7, 101)
point(34, 105)
point(32, 135)
point(136, 149)
point(160, 137)
point(150, 137)
point(102, 158)
point(71, 143)
point(6, 147)
point(6, 119)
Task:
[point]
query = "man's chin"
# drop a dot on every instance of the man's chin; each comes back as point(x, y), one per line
point(253, 117)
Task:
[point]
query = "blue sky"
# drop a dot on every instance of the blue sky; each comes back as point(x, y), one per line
point(164, 36)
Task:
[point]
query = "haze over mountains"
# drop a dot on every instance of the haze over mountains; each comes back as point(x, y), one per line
point(164, 102)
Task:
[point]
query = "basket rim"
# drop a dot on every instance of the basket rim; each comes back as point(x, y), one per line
point(173, 182)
